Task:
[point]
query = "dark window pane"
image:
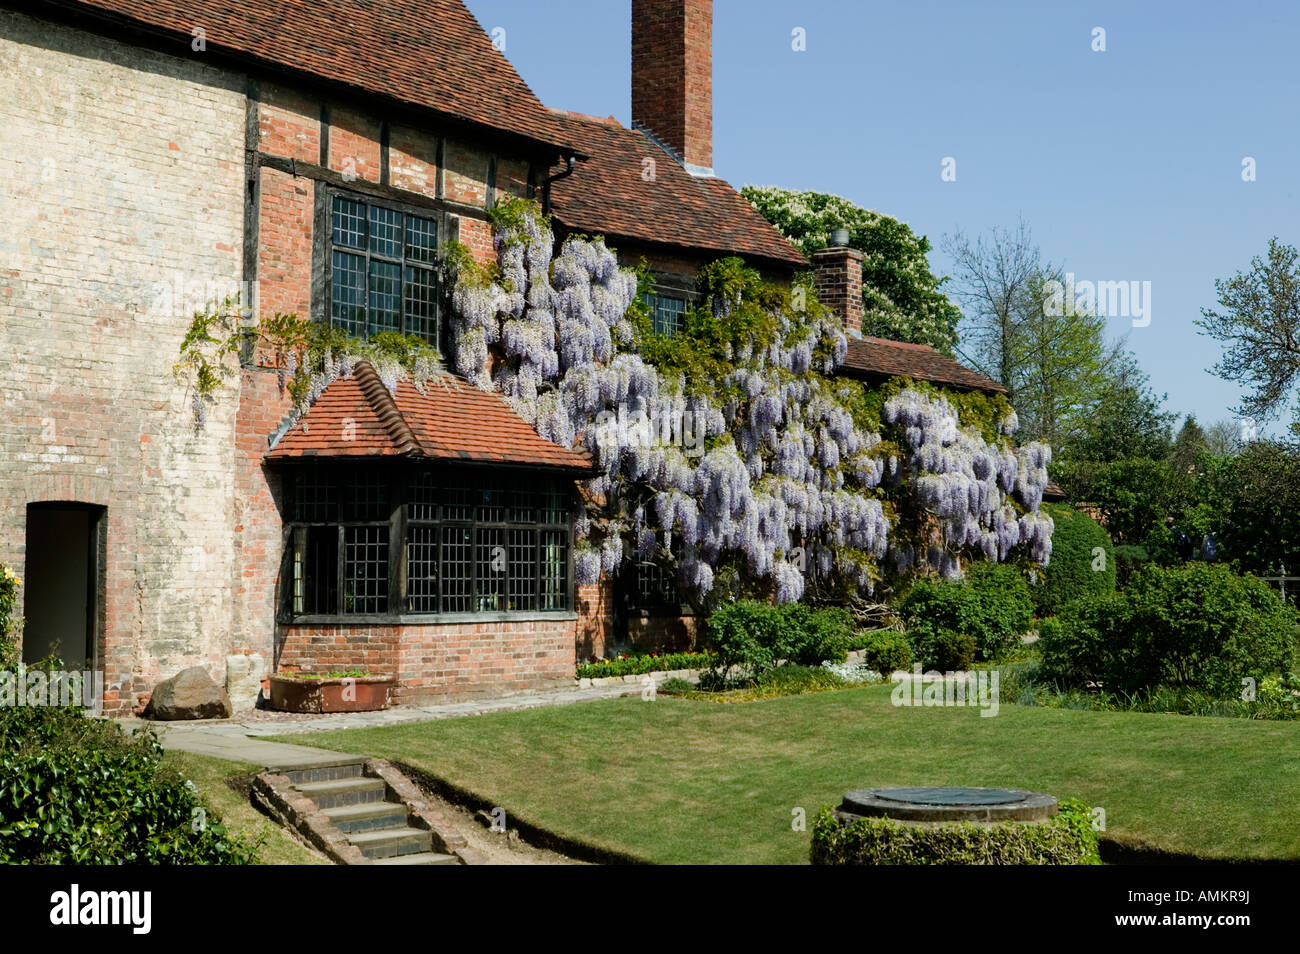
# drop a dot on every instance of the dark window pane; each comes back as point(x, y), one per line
point(422, 569)
point(385, 297)
point(424, 497)
point(315, 496)
point(385, 232)
point(349, 219)
point(315, 570)
point(493, 564)
point(421, 239)
point(555, 507)
point(555, 569)
point(421, 303)
point(456, 504)
point(365, 496)
point(457, 570)
point(669, 315)
point(365, 570)
point(348, 292)
point(522, 570)
point(492, 505)
point(523, 505)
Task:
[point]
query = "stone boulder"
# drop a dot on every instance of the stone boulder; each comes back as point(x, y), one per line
point(190, 694)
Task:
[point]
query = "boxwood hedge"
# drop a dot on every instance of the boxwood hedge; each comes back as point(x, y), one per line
point(1067, 838)
point(1083, 561)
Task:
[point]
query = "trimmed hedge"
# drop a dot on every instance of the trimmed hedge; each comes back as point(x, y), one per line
point(1072, 573)
point(1067, 838)
point(989, 608)
point(1196, 625)
point(639, 665)
point(76, 790)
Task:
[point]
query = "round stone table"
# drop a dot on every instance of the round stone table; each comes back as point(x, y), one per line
point(949, 804)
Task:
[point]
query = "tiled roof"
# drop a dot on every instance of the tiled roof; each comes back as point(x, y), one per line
point(879, 356)
point(357, 416)
point(610, 195)
point(429, 53)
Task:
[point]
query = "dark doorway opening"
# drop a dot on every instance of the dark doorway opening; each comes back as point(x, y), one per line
point(61, 585)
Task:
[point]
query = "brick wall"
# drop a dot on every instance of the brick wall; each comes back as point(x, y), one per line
point(121, 179)
point(672, 74)
point(447, 660)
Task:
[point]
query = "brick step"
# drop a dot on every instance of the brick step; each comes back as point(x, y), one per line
point(422, 858)
point(387, 842)
point(326, 773)
point(339, 793)
point(367, 816)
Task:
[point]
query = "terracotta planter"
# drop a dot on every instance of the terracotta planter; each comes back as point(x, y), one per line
point(360, 694)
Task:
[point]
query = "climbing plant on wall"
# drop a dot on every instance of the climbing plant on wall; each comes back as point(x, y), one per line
point(728, 454)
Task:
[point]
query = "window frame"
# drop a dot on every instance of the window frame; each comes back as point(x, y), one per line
point(674, 286)
point(399, 479)
point(324, 248)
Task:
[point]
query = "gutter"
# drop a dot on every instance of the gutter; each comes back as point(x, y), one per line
point(546, 184)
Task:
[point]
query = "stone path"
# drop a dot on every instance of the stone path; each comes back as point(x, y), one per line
point(233, 738)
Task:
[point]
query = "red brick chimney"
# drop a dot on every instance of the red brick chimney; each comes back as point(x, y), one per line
point(672, 77)
point(837, 279)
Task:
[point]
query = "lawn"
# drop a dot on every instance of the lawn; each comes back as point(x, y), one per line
point(688, 781)
point(209, 776)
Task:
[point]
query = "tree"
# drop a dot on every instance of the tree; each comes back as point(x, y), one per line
point(1223, 439)
point(998, 282)
point(1260, 325)
point(1254, 500)
point(902, 297)
point(1059, 355)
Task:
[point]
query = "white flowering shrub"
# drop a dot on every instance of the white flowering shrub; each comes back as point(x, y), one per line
point(729, 454)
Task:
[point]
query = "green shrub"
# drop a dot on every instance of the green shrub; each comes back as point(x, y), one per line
point(638, 665)
point(755, 636)
point(1077, 569)
point(1196, 625)
point(1068, 838)
point(992, 605)
point(78, 790)
point(944, 649)
point(884, 650)
point(1129, 559)
point(794, 680)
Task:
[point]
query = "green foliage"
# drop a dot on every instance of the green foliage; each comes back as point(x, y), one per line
point(885, 650)
point(992, 606)
point(1077, 569)
point(755, 636)
point(946, 650)
point(77, 790)
point(1196, 625)
point(902, 299)
point(308, 353)
point(1068, 838)
point(1258, 321)
point(1129, 558)
point(676, 686)
point(1133, 495)
point(10, 623)
point(637, 665)
point(1253, 501)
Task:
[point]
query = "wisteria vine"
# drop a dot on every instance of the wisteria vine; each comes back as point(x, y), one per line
point(768, 476)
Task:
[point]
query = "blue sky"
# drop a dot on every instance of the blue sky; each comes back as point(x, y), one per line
point(1127, 164)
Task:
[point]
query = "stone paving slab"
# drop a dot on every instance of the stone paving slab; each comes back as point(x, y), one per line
point(234, 739)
